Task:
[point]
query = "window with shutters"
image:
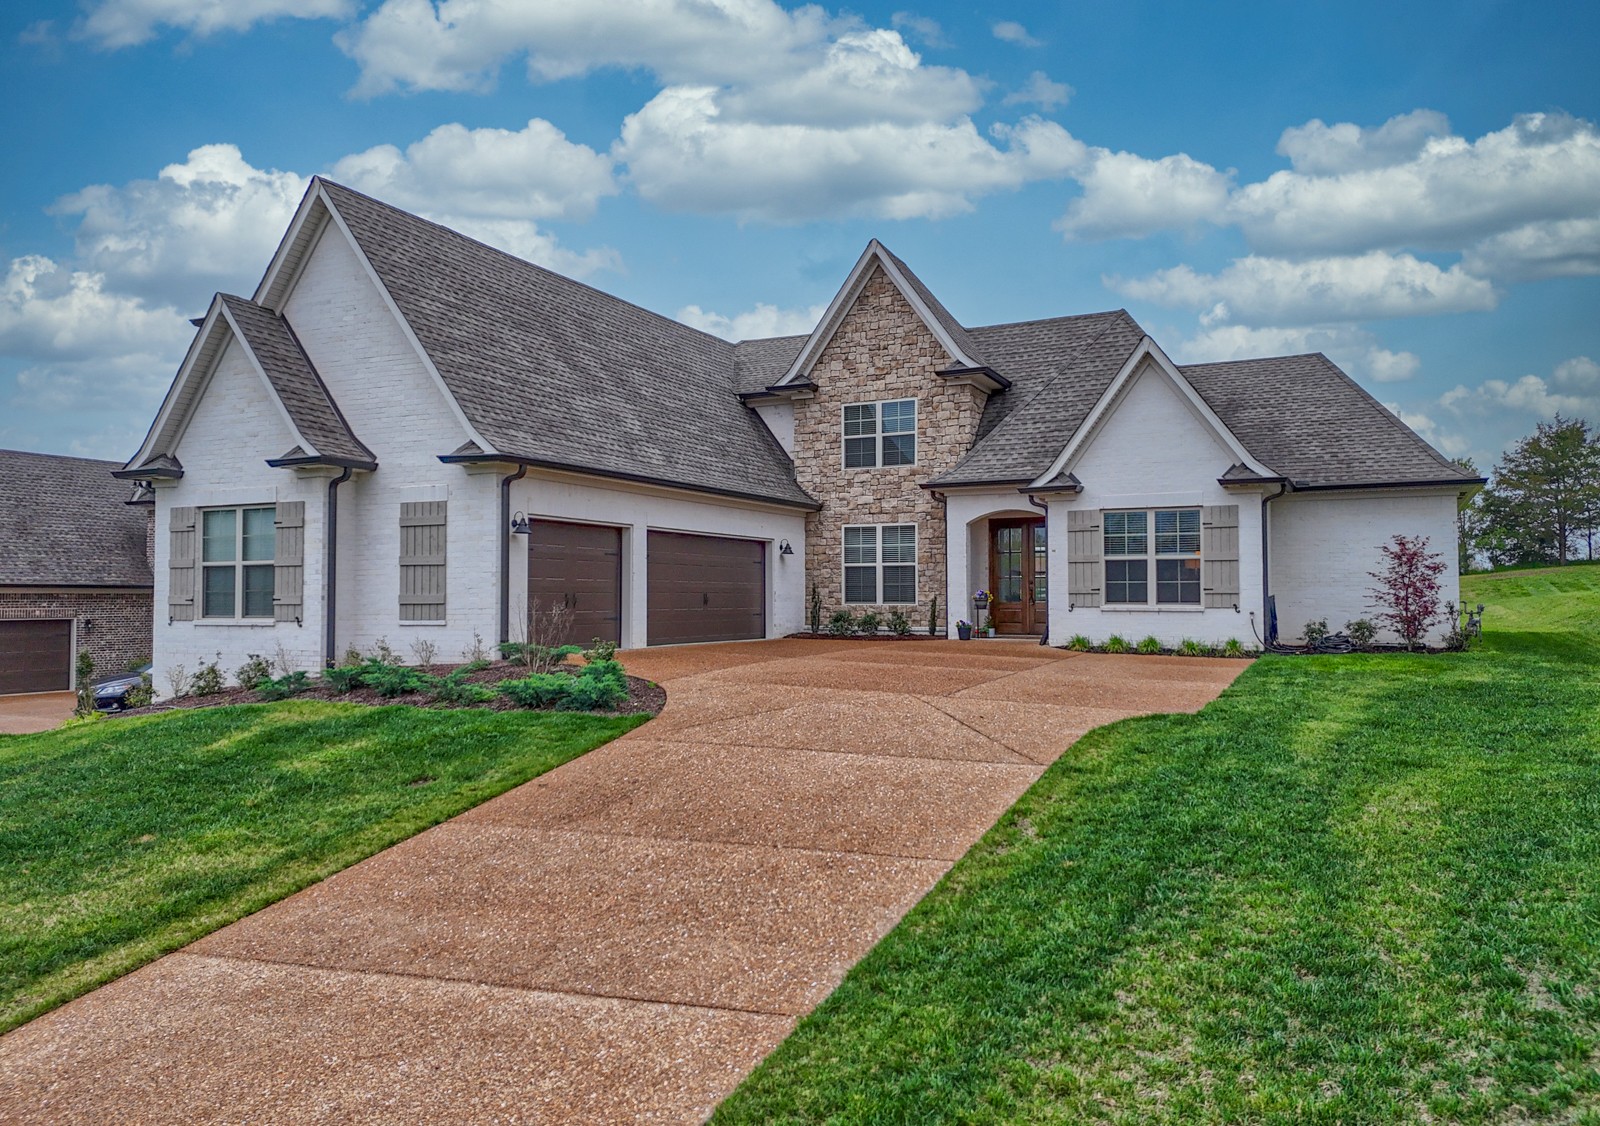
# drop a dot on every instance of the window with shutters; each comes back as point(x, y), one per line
point(880, 564)
point(238, 547)
point(422, 561)
point(880, 434)
point(1152, 557)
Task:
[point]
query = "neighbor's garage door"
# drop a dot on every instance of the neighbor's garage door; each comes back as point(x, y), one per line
point(35, 656)
point(578, 566)
point(704, 588)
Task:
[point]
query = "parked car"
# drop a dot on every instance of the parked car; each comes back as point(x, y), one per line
point(111, 692)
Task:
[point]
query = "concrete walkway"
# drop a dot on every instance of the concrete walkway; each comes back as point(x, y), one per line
point(619, 940)
point(35, 711)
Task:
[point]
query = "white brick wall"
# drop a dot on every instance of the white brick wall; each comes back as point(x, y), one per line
point(1324, 545)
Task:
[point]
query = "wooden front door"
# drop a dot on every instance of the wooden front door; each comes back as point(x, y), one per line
point(1017, 572)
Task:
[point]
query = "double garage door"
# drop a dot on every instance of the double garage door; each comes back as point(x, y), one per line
point(700, 588)
point(35, 656)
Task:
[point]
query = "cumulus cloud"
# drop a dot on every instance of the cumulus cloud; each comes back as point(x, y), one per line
point(924, 30)
point(1355, 350)
point(1560, 248)
point(1040, 91)
point(753, 324)
point(125, 23)
point(1128, 196)
point(1010, 31)
point(1449, 442)
point(50, 312)
point(1573, 389)
point(1277, 291)
point(684, 155)
point(1319, 149)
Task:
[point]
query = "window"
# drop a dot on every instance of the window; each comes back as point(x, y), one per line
point(880, 434)
point(880, 564)
point(1173, 552)
point(237, 547)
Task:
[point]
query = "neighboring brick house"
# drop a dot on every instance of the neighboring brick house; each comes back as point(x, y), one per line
point(408, 436)
point(75, 570)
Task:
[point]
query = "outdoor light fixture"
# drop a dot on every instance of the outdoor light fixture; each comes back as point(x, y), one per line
point(784, 548)
point(519, 525)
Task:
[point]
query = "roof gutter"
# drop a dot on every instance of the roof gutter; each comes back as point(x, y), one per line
point(505, 550)
point(638, 478)
point(330, 569)
point(1449, 483)
point(346, 463)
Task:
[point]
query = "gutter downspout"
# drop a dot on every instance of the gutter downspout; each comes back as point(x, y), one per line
point(505, 551)
point(330, 568)
point(1266, 583)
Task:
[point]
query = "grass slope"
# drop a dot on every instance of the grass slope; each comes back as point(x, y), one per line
point(1353, 889)
point(120, 841)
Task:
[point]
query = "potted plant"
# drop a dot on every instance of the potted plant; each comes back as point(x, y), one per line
point(964, 630)
point(980, 604)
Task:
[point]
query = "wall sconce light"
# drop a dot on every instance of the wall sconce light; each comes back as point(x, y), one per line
point(784, 548)
point(519, 525)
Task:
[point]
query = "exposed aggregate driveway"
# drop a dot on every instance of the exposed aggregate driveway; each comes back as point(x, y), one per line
point(621, 939)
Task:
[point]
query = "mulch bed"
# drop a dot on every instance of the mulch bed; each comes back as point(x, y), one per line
point(643, 696)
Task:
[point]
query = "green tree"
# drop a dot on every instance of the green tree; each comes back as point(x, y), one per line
point(1545, 493)
point(1466, 518)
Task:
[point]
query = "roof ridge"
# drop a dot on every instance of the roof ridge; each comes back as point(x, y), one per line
point(1052, 320)
point(1257, 360)
point(1383, 411)
point(522, 261)
point(63, 457)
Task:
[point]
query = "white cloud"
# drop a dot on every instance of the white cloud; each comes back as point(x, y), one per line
point(1448, 442)
point(1561, 248)
point(1355, 350)
point(924, 30)
point(1318, 149)
point(49, 312)
point(1127, 196)
point(125, 23)
point(1277, 291)
point(1040, 91)
point(1010, 31)
point(1573, 389)
point(753, 324)
point(684, 155)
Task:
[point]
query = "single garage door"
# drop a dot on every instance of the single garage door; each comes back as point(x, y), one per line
point(706, 588)
point(578, 566)
point(35, 656)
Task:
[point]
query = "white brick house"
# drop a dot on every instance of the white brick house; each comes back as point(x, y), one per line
point(406, 434)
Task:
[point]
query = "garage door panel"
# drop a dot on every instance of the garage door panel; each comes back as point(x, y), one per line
point(35, 656)
point(578, 566)
point(705, 588)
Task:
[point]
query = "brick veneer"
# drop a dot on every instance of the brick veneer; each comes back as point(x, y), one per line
point(113, 624)
point(882, 350)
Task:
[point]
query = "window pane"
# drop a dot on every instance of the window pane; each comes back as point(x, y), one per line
point(1125, 533)
point(900, 449)
point(1126, 581)
point(218, 528)
point(860, 453)
point(1166, 533)
point(260, 538)
point(1178, 581)
point(1189, 531)
point(1041, 564)
point(258, 592)
point(899, 584)
point(1008, 564)
point(861, 545)
point(861, 418)
point(900, 543)
point(860, 584)
point(218, 600)
point(900, 417)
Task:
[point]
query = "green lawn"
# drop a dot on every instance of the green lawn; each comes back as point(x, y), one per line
point(1354, 889)
point(125, 839)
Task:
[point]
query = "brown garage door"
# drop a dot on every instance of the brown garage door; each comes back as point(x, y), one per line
point(578, 566)
point(35, 656)
point(705, 588)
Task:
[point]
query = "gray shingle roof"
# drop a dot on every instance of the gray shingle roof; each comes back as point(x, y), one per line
point(963, 339)
point(758, 364)
point(1310, 422)
point(551, 370)
point(296, 381)
point(64, 522)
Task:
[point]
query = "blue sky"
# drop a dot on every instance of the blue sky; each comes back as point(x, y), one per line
point(1412, 188)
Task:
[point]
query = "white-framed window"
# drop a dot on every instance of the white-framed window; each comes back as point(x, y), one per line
point(237, 547)
point(1152, 556)
point(879, 435)
point(880, 564)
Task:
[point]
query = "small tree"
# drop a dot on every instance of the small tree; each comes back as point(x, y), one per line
point(84, 676)
point(1407, 592)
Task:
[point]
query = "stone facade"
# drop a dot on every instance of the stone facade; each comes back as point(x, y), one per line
point(882, 350)
point(113, 623)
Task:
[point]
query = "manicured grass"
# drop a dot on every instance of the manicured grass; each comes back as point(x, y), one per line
point(1354, 889)
point(122, 840)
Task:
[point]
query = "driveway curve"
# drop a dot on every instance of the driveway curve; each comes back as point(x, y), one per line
point(622, 939)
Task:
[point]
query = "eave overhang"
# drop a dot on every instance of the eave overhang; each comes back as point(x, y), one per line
point(615, 475)
point(981, 376)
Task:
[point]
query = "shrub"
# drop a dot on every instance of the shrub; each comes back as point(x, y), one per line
point(424, 652)
point(1116, 644)
point(344, 678)
point(389, 680)
point(137, 663)
point(178, 680)
point(382, 652)
point(1232, 648)
point(1189, 647)
point(597, 686)
point(83, 669)
point(207, 679)
point(841, 623)
point(537, 658)
point(453, 688)
point(599, 652)
point(1454, 638)
point(475, 652)
point(540, 690)
point(899, 624)
point(1080, 643)
point(1316, 632)
point(477, 664)
point(255, 670)
point(140, 695)
point(284, 686)
point(1151, 644)
point(1361, 632)
point(1407, 591)
point(816, 609)
point(868, 622)
point(933, 617)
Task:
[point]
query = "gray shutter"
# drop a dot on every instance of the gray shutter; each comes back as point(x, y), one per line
point(1085, 569)
point(422, 542)
point(180, 565)
point(1219, 556)
point(288, 562)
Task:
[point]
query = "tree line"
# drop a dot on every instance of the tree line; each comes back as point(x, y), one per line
point(1542, 503)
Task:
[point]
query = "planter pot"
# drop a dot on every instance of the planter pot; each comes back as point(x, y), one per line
point(964, 633)
point(990, 632)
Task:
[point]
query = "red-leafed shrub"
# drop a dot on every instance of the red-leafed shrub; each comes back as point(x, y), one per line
point(1407, 592)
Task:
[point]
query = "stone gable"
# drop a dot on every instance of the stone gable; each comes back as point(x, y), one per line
point(882, 350)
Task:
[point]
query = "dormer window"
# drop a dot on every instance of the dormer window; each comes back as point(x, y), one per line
point(880, 434)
